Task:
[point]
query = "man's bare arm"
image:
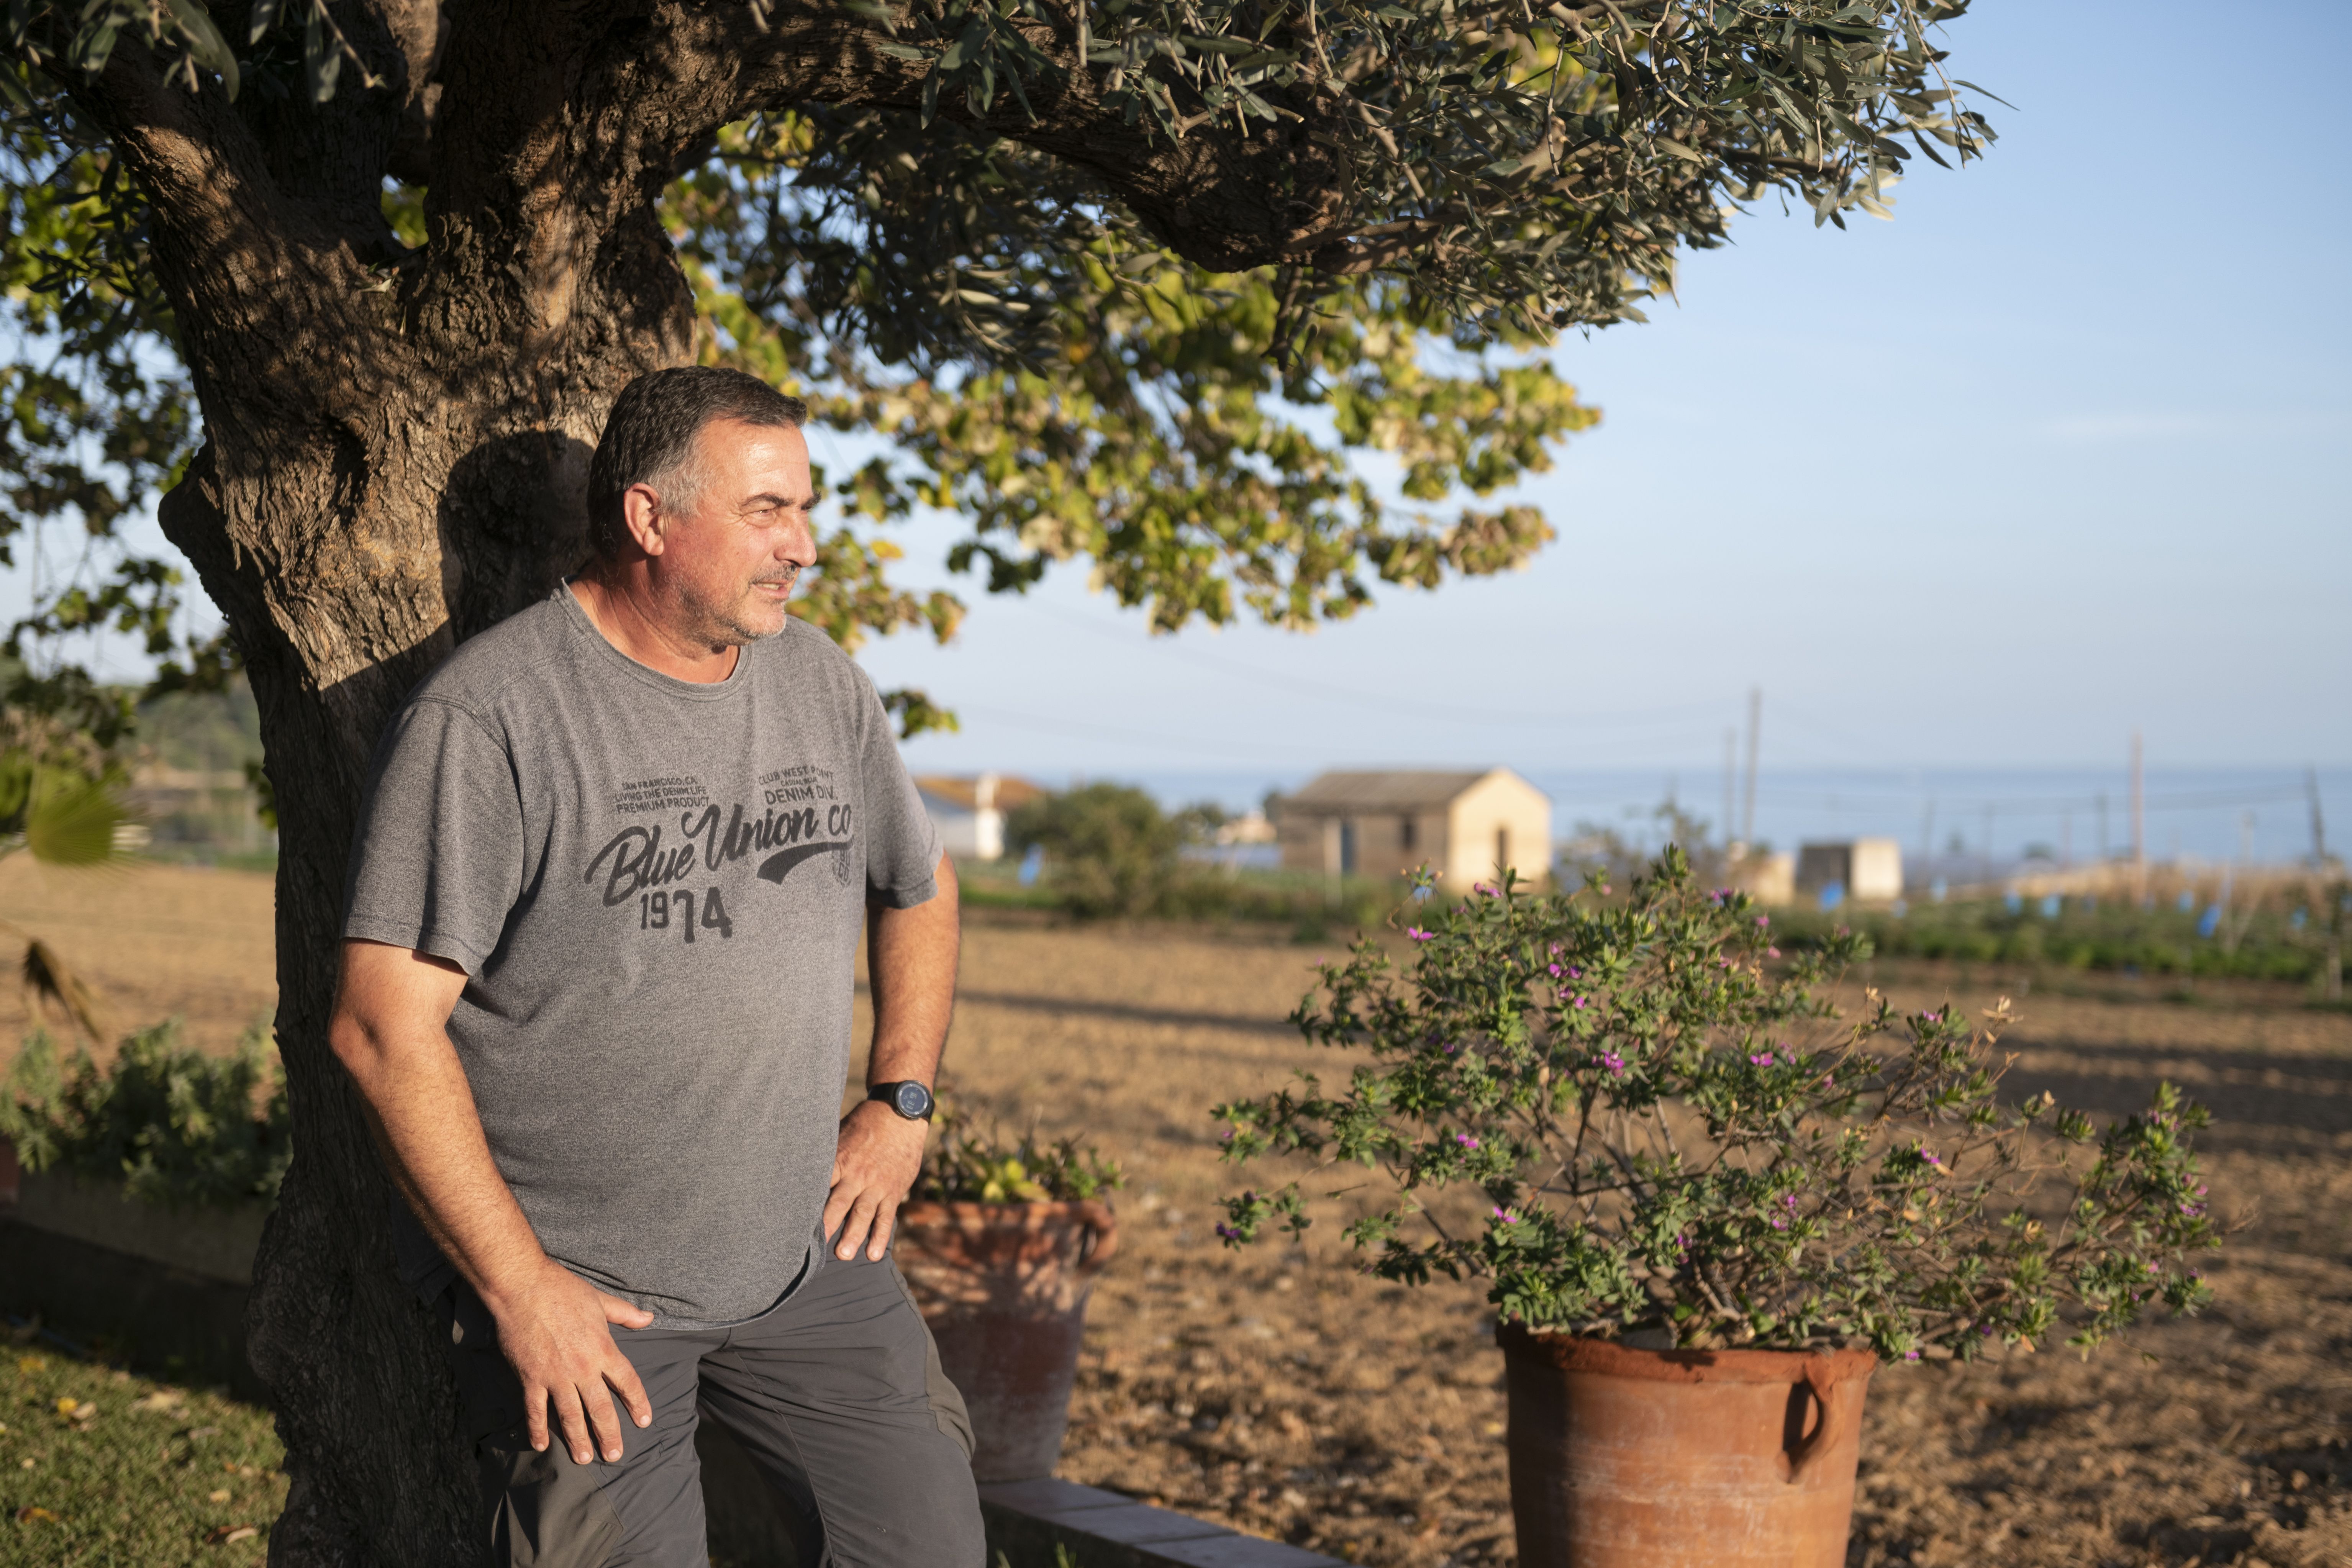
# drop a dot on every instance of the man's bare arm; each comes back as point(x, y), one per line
point(910, 958)
point(391, 1033)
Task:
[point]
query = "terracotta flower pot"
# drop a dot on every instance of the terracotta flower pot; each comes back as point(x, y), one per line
point(1733, 1458)
point(1004, 1288)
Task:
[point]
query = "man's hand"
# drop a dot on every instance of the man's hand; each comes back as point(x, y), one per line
point(555, 1333)
point(873, 1167)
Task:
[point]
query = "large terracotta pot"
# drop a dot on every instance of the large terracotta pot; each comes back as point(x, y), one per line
point(1638, 1459)
point(1004, 1288)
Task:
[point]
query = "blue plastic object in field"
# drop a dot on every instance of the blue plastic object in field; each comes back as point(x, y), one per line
point(2050, 904)
point(1031, 864)
point(2209, 921)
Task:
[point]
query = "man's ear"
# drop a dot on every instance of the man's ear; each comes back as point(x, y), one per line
point(642, 515)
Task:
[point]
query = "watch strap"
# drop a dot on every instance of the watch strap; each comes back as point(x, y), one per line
point(892, 1095)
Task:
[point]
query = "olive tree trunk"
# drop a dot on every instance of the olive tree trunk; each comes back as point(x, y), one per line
point(396, 456)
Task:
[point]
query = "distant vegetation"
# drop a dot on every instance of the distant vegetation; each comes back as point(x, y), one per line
point(1109, 850)
point(2269, 943)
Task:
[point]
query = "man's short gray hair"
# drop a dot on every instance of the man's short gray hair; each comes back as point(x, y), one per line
point(649, 437)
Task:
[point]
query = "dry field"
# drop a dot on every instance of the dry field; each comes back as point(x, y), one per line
point(1282, 1394)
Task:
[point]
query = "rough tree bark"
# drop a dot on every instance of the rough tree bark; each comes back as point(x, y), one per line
point(395, 457)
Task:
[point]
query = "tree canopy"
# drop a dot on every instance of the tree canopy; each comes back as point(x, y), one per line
point(1126, 283)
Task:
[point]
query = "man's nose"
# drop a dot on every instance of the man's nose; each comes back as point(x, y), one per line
point(799, 544)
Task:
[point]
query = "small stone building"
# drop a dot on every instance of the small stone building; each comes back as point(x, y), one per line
point(1462, 824)
point(1868, 870)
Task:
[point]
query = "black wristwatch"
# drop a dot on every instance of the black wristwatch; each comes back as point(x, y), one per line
point(910, 1099)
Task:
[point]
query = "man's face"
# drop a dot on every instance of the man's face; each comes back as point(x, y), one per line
point(733, 554)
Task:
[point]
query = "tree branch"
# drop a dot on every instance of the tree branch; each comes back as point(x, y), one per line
point(236, 257)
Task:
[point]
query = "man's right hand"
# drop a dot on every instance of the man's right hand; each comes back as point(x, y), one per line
point(555, 1330)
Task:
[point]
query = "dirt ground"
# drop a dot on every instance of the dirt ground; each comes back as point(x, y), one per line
point(1280, 1393)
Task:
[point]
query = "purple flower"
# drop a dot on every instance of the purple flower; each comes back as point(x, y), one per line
point(1779, 1222)
point(1466, 1141)
point(1910, 1355)
point(1418, 934)
point(1227, 1233)
point(1763, 1061)
point(1504, 1216)
point(1482, 889)
point(1681, 1242)
point(1613, 1061)
point(1772, 952)
point(1789, 1202)
point(1580, 1001)
point(1763, 920)
point(1927, 1157)
point(1552, 970)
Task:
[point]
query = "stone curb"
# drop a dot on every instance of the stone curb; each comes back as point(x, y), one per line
point(1027, 1520)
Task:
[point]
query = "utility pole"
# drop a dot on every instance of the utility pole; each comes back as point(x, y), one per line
point(1984, 851)
point(2103, 827)
point(1733, 849)
point(2139, 822)
point(2318, 823)
point(1928, 841)
point(2066, 839)
point(1754, 724)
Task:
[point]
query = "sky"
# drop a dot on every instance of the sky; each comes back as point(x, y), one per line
point(1975, 494)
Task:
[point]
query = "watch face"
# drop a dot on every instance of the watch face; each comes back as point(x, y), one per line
point(913, 1099)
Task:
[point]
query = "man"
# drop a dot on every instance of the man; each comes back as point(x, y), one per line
point(596, 992)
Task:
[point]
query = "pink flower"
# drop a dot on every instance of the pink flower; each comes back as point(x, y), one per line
point(1552, 970)
point(1466, 1141)
point(1418, 934)
point(1772, 952)
point(1763, 920)
point(1614, 1062)
point(1504, 1216)
point(1763, 1061)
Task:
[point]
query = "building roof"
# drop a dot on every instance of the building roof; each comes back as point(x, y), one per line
point(962, 791)
point(1392, 789)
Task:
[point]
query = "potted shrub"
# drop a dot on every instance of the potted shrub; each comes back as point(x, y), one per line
point(1001, 1245)
point(1705, 1204)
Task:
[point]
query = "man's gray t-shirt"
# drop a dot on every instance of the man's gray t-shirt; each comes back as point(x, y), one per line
point(656, 888)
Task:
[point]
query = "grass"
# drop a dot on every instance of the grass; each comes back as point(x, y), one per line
point(101, 1468)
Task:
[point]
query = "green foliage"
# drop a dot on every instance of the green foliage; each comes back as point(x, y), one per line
point(1093, 395)
point(1623, 1123)
point(1521, 169)
point(170, 1124)
point(2112, 934)
point(1110, 849)
point(972, 1166)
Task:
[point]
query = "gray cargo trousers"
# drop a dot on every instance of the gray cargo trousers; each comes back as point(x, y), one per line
point(835, 1393)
